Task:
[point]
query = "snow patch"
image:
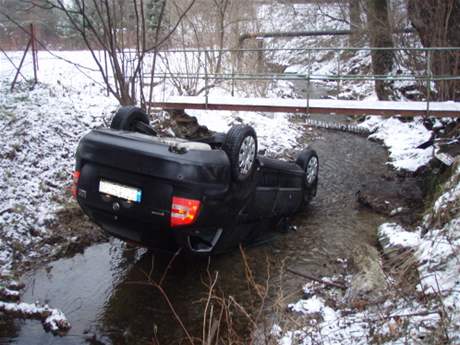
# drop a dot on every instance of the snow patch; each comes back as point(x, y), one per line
point(437, 253)
point(53, 320)
point(401, 139)
point(398, 236)
point(40, 132)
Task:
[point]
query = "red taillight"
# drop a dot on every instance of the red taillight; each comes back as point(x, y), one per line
point(75, 178)
point(184, 211)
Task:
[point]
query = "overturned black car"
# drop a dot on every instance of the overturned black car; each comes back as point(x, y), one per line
point(205, 196)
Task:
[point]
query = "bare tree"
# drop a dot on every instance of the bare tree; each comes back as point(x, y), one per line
point(209, 27)
point(124, 33)
point(380, 32)
point(438, 25)
point(354, 8)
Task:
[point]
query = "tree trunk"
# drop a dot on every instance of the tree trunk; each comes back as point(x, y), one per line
point(438, 24)
point(380, 35)
point(355, 22)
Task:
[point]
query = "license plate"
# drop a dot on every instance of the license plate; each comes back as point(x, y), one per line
point(120, 191)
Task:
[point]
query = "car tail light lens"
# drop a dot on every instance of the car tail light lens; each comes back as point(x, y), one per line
point(75, 178)
point(184, 211)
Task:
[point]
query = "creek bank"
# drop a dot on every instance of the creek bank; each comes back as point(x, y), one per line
point(413, 280)
point(69, 233)
point(394, 196)
point(402, 193)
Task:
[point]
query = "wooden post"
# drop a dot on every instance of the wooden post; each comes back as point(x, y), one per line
point(18, 71)
point(34, 52)
point(11, 61)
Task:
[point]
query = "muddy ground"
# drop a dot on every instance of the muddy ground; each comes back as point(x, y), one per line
point(69, 233)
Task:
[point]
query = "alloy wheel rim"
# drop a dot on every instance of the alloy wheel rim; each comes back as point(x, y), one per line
point(312, 170)
point(246, 155)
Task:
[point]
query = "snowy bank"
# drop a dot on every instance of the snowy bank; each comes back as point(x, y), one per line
point(53, 320)
point(428, 315)
point(436, 244)
point(401, 139)
point(40, 131)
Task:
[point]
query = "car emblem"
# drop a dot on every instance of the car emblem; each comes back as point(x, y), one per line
point(116, 206)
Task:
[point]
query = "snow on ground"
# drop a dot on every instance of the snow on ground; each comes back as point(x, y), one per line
point(53, 319)
point(275, 131)
point(401, 139)
point(328, 318)
point(327, 326)
point(40, 130)
point(397, 236)
point(436, 245)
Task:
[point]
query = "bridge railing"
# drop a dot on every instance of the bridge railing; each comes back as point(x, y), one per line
point(412, 65)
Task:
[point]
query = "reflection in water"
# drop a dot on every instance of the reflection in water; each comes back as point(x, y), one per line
point(105, 292)
point(8, 328)
point(136, 309)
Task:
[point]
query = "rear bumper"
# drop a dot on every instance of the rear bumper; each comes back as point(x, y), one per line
point(197, 240)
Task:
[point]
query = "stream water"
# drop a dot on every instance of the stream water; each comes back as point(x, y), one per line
point(105, 292)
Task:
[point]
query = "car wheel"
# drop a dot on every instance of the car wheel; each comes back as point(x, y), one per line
point(309, 162)
point(241, 148)
point(132, 119)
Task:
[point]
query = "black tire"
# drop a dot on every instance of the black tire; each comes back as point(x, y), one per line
point(241, 148)
point(308, 160)
point(127, 118)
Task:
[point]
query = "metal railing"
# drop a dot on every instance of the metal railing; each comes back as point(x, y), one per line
point(234, 58)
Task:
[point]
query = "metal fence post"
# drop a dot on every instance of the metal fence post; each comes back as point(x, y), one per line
point(233, 76)
point(106, 69)
point(164, 86)
point(308, 82)
point(428, 79)
point(206, 91)
point(339, 72)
